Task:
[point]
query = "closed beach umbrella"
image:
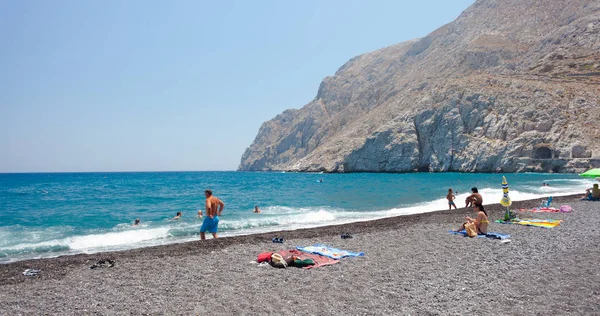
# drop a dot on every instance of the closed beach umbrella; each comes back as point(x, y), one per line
point(505, 201)
point(592, 173)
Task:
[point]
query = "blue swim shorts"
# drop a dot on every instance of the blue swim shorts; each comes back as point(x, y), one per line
point(210, 225)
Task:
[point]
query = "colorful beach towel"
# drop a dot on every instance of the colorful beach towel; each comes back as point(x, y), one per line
point(545, 223)
point(562, 209)
point(299, 255)
point(488, 235)
point(541, 210)
point(330, 252)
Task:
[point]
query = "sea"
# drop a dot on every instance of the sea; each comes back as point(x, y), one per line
point(52, 214)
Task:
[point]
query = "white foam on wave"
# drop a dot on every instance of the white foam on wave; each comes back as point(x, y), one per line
point(288, 218)
point(273, 218)
point(129, 237)
point(96, 242)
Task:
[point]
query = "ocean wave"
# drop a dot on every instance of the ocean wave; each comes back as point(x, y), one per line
point(58, 240)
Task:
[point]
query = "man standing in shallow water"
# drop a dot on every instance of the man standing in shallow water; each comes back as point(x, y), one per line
point(214, 208)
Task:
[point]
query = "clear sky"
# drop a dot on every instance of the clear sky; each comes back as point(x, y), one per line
point(175, 85)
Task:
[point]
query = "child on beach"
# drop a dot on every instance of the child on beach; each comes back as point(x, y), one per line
point(450, 198)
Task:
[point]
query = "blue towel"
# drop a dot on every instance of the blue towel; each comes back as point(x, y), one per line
point(330, 252)
point(488, 235)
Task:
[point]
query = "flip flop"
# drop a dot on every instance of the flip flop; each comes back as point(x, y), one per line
point(278, 240)
point(346, 236)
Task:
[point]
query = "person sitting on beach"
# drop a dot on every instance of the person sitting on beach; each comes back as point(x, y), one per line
point(593, 193)
point(214, 209)
point(481, 221)
point(474, 198)
point(256, 210)
point(137, 222)
point(450, 198)
point(178, 216)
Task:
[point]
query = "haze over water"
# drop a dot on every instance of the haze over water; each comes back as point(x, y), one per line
point(52, 214)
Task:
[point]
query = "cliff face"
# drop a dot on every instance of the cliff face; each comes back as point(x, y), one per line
point(510, 85)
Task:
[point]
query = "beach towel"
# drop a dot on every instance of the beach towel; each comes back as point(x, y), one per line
point(303, 256)
point(590, 199)
point(545, 223)
point(541, 210)
point(488, 235)
point(330, 252)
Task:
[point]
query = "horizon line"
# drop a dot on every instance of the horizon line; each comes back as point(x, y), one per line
point(140, 171)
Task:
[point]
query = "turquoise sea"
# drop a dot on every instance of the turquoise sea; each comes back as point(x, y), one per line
point(52, 214)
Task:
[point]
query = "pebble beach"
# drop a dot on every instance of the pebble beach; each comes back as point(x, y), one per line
point(412, 266)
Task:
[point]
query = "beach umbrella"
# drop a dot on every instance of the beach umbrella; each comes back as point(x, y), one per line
point(592, 173)
point(505, 201)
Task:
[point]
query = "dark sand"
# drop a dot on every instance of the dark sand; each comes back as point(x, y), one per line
point(412, 266)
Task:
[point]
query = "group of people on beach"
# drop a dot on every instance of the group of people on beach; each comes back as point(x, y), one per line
point(214, 208)
point(475, 200)
point(481, 221)
point(471, 200)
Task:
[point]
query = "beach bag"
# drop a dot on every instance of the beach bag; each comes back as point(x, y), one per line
point(566, 209)
point(471, 229)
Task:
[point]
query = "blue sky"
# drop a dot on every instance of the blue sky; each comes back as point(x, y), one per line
point(175, 85)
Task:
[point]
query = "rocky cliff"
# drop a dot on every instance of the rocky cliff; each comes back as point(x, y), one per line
point(510, 85)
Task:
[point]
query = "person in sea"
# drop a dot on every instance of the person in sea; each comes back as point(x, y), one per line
point(481, 221)
point(451, 198)
point(178, 216)
point(137, 222)
point(474, 198)
point(214, 209)
point(592, 193)
point(256, 210)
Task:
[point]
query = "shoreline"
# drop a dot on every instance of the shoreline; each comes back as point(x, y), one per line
point(181, 248)
point(412, 265)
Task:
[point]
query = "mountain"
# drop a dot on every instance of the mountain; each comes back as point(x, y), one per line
point(510, 85)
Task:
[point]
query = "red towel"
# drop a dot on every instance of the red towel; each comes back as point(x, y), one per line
point(264, 257)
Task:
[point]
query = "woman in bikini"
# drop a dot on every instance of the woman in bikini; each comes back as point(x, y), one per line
point(481, 221)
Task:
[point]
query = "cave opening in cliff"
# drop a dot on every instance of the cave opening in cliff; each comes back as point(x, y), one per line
point(424, 168)
point(542, 153)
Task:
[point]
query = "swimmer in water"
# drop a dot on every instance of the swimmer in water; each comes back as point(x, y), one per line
point(137, 222)
point(178, 216)
point(256, 210)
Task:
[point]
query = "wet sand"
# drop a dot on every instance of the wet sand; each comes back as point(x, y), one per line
point(412, 265)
